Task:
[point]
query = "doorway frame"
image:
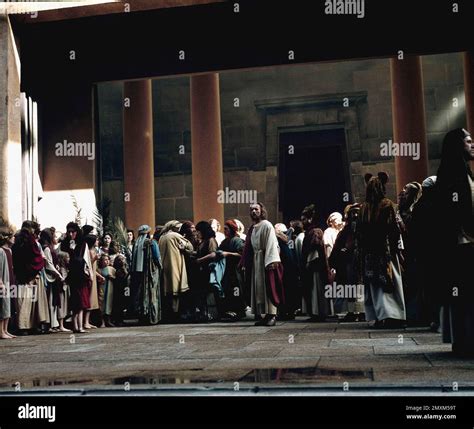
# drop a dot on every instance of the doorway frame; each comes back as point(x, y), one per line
point(312, 128)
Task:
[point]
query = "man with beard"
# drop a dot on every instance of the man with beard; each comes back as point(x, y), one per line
point(261, 261)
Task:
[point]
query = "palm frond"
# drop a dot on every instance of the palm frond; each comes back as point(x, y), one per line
point(120, 231)
point(75, 204)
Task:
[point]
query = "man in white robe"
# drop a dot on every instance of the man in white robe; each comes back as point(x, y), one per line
point(265, 257)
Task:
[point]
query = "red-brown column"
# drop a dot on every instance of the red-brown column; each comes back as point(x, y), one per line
point(206, 147)
point(139, 185)
point(469, 92)
point(408, 111)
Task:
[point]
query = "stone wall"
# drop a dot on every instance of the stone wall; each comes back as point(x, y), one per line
point(271, 100)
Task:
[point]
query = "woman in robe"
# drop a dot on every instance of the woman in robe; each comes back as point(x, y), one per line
point(64, 291)
point(455, 208)
point(380, 246)
point(231, 306)
point(7, 279)
point(106, 290)
point(54, 278)
point(80, 275)
point(207, 303)
point(28, 263)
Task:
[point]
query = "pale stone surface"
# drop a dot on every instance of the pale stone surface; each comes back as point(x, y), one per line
point(291, 353)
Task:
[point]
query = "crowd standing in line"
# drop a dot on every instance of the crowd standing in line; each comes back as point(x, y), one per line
point(194, 273)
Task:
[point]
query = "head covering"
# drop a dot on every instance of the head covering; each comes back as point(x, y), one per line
point(429, 182)
point(240, 226)
point(281, 227)
point(334, 216)
point(144, 229)
point(172, 225)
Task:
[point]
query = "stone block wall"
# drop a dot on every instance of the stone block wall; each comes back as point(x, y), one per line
point(250, 134)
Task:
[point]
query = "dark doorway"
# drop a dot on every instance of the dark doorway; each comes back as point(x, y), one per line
point(313, 169)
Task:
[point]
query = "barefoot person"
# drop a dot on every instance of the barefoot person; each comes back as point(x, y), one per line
point(7, 279)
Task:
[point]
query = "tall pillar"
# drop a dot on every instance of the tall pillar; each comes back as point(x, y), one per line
point(206, 144)
point(10, 127)
point(468, 60)
point(408, 111)
point(139, 177)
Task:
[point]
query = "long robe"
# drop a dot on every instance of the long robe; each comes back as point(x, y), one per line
point(314, 274)
point(52, 278)
point(232, 281)
point(106, 290)
point(94, 292)
point(265, 252)
point(5, 311)
point(175, 279)
point(379, 238)
point(145, 280)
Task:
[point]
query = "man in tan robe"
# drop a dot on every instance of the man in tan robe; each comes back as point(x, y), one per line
point(175, 279)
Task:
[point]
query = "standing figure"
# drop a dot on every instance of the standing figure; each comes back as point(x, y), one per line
point(175, 279)
point(344, 260)
point(28, 262)
point(261, 261)
point(121, 289)
point(106, 290)
point(54, 278)
point(79, 274)
point(315, 268)
point(216, 226)
point(412, 281)
point(290, 272)
point(207, 300)
point(335, 225)
point(64, 291)
point(455, 196)
point(380, 245)
point(7, 280)
point(145, 277)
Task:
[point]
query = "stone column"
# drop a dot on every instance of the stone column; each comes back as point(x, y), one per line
point(468, 60)
point(139, 177)
point(408, 110)
point(206, 144)
point(10, 127)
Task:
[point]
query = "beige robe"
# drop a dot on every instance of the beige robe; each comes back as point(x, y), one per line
point(265, 252)
point(92, 264)
point(175, 279)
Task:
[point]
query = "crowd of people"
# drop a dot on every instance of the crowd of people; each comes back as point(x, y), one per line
point(412, 259)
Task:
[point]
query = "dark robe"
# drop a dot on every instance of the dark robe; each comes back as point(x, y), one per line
point(232, 282)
